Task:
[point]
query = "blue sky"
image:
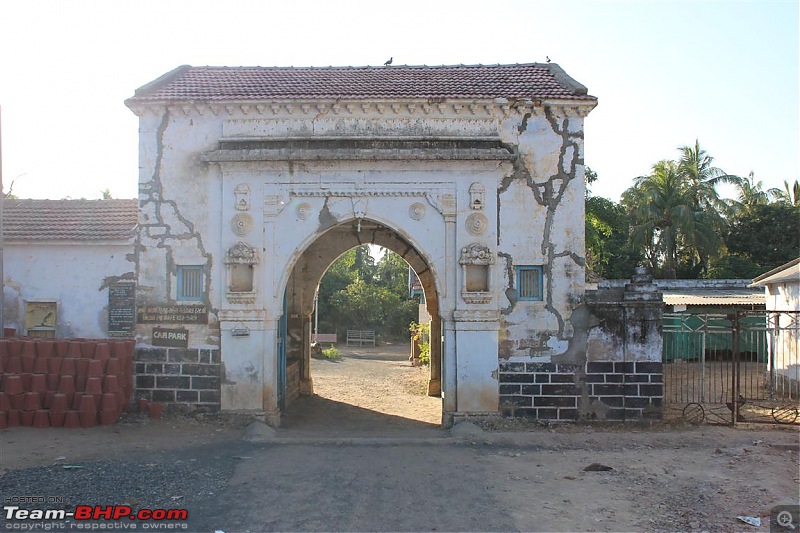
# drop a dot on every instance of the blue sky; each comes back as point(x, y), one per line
point(665, 73)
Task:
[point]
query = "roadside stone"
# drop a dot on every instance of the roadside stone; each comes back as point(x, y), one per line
point(465, 429)
point(259, 432)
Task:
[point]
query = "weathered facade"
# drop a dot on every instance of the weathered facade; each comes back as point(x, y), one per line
point(254, 180)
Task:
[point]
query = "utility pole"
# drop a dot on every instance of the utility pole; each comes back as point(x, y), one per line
point(2, 199)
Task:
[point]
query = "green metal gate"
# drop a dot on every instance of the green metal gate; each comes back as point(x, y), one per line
point(735, 367)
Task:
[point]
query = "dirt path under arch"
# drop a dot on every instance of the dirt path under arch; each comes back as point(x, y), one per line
point(368, 391)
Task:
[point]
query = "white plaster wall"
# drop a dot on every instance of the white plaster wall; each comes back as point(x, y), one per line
point(75, 275)
point(188, 206)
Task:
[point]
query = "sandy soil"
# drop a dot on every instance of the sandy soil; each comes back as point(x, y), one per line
point(366, 453)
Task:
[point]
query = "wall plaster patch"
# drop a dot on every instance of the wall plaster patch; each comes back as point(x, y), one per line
point(242, 224)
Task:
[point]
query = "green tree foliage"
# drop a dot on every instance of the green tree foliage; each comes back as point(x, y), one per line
point(358, 293)
point(764, 235)
point(608, 253)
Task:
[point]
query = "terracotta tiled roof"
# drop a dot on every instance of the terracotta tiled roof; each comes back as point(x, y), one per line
point(533, 80)
point(69, 220)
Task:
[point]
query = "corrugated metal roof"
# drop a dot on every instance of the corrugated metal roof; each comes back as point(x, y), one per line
point(790, 272)
point(718, 297)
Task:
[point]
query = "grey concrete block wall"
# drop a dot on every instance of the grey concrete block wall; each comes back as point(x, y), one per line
point(186, 377)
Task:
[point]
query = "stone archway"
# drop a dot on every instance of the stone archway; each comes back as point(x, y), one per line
point(310, 267)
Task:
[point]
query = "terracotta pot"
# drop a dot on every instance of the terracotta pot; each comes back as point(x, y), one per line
point(111, 384)
point(38, 383)
point(155, 410)
point(28, 349)
point(13, 365)
point(95, 368)
point(123, 401)
point(41, 419)
point(3, 348)
point(57, 419)
point(45, 348)
point(94, 386)
point(3, 420)
point(52, 380)
point(62, 347)
point(88, 418)
point(75, 401)
point(26, 418)
point(102, 351)
point(72, 420)
point(108, 402)
point(5, 403)
point(17, 401)
point(9, 332)
point(59, 403)
point(12, 384)
point(80, 383)
point(27, 363)
point(26, 378)
point(87, 404)
point(47, 399)
point(82, 366)
point(14, 347)
point(3, 364)
point(66, 384)
point(40, 365)
point(13, 418)
point(112, 366)
point(54, 365)
point(142, 405)
point(33, 401)
point(67, 366)
point(108, 417)
point(74, 349)
point(88, 348)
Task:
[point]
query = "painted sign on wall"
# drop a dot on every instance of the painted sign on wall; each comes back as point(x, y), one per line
point(175, 338)
point(174, 314)
point(121, 309)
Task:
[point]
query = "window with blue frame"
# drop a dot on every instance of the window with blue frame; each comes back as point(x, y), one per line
point(529, 283)
point(190, 284)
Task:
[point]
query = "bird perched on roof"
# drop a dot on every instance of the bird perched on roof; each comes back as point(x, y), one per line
point(548, 58)
point(388, 62)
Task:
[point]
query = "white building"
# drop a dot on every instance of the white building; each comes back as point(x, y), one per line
point(61, 257)
point(253, 180)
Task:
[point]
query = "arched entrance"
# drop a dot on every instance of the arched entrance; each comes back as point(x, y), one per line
point(293, 336)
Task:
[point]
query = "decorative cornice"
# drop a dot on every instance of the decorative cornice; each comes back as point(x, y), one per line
point(499, 107)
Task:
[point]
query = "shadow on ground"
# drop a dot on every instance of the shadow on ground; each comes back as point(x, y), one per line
point(322, 417)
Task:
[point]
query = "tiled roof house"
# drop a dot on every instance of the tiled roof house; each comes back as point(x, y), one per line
point(69, 220)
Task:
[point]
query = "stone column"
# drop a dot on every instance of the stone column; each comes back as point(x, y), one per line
point(435, 381)
point(306, 383)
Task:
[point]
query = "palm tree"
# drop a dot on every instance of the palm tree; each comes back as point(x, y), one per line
point(666, 213)
point(750, 193)
point(789, 195)
point(696, 168)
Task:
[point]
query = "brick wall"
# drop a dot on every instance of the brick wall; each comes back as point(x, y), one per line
point(610, 391)
point(179, 376)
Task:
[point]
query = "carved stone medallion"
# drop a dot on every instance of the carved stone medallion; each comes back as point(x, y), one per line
point(242, 224)
point(303, 211)
point(416, 211)
point(477, 224)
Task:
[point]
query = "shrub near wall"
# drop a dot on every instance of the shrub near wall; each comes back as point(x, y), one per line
point(64, 382)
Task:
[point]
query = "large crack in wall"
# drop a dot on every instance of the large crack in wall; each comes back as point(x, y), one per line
point(160, 230)
point(549, 194)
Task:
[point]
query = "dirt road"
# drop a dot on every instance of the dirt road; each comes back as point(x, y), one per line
point(364, 466)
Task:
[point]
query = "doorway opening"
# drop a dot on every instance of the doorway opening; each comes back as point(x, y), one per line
point(347, 339)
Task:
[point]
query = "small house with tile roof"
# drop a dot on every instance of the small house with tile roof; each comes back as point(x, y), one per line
point(61, 259)
point(253, 180)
